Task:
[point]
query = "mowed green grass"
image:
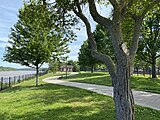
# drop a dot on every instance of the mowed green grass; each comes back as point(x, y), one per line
point(102, 78)
point(54, 102)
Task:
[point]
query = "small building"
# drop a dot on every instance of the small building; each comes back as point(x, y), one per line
point(69, 68)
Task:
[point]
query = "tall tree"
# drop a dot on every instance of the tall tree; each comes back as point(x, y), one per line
point(158, 64)
point(120, 70)
point(85, 58)
point(33, 39)
point(103, 41)
point(149, 45)
point(104, 45)
point(54, 66)
point(140, 64)
point(74, 64)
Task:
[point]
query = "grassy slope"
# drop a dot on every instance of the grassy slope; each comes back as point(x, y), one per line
point(137, 82)
point(54, 102)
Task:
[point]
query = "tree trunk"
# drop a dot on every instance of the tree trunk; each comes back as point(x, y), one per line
point(144, 73)
point(92, 69)
point(37, 71)
point(123, 97)
point(137, 70)
point(154, 68)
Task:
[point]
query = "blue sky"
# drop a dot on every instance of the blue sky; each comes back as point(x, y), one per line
point(8, 17)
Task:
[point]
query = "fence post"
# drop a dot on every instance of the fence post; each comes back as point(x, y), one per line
point(22, 77)
point(1, 83)
point(14, 79)
point(19, 80)
point(9, 81)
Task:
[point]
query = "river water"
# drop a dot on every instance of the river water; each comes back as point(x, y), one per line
point(15, 75)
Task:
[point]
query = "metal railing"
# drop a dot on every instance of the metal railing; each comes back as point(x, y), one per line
point(6, 82)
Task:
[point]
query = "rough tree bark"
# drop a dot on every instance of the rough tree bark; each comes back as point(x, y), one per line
point(120, 71)
point(123, 98)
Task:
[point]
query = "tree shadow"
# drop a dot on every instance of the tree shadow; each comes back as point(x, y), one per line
point(56, 102)
point(63, 113)
point(16, 88)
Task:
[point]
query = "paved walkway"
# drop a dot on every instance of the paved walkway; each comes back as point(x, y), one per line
point(146, 99)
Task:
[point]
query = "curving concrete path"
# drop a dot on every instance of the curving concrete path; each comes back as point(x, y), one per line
point(141, 98)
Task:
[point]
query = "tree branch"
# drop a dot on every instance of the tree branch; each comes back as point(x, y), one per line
point(27, 64)
point(145, 58)
point(107, 60)
point(136, 33)
point(40, 65)
point(157, 56)
point(114, 3)
point(103, 58)
point(149, 49)
point(150, 6)
point(97, 17)
point(157, 0)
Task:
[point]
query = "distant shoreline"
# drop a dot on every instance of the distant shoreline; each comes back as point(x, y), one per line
point(6, 68)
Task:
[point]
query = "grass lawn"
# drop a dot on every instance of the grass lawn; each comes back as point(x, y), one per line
point(55, 102)
point(102, 78)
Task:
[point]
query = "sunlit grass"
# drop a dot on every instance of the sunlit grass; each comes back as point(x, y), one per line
point(100, 78)
point(139, 82)
point(54, 102)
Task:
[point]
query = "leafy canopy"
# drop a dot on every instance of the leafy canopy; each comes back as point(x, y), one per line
point(34, 37)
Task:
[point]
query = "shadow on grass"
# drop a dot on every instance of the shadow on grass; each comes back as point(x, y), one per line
point(15, 89)
point(54, 102)
point(63, 113)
